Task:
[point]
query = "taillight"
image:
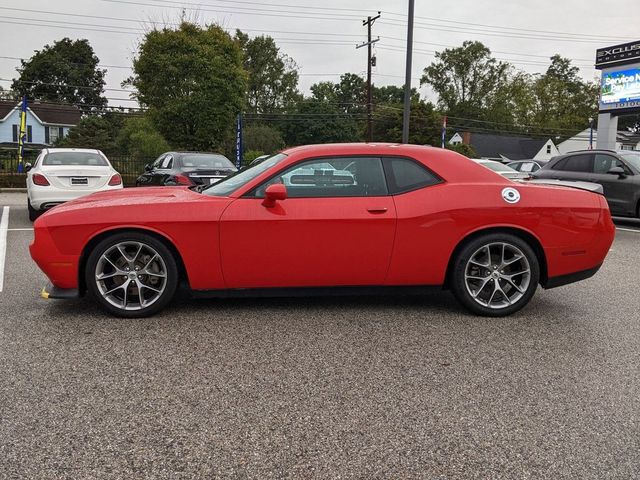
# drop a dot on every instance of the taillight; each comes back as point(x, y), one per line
point(182, 180)
point(39, 179)
point(115, 180)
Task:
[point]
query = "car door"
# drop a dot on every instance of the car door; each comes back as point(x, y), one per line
point(148, 177)
point(335, 228)
point(163, 172)
point(620, 191)
point(577, 167)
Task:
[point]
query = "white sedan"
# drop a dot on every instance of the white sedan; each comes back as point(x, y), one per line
point(62, 174)
point(502, 169)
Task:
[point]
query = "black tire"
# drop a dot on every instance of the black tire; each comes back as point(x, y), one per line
point(522, 293)
point(170, 282)
point(33, 213)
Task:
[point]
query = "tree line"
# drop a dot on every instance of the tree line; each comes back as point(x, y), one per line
point(191, 81)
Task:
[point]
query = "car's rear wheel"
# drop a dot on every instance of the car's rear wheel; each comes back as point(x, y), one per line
point(33, 213)
point(495, 274)
point(131, 274)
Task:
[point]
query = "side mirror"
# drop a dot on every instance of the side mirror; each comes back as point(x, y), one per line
point(27, 167)
point(617, 171)
point(273, 193)
point(147, 167)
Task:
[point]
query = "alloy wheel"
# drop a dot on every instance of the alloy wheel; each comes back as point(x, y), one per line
point(131, 275)
point(497, 275)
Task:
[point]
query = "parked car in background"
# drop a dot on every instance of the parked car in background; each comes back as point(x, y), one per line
point(502, 169)
point(62, 174)
point(404, 216)
point(617, 171)
point(257, 160)
point(527, 166)
point(186, 168)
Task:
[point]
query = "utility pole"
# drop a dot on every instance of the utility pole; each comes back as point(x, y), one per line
point(369, 23)
point(407, 81)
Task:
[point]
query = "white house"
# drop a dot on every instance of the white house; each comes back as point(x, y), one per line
point(580, 141)
point(507, 147)
point(46, 122)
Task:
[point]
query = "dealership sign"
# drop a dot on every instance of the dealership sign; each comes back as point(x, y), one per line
point(620, 87)
point(618, 55)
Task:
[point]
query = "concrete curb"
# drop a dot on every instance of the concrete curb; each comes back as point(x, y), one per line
point(13, 190)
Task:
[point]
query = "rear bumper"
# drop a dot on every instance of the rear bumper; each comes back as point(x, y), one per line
point(561, 280)
point(51, 291)
point(43, 198)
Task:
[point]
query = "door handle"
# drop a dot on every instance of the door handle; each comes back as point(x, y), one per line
point(377, 210)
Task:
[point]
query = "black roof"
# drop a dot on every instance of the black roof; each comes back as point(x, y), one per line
point(52, 113)
point(490, 145)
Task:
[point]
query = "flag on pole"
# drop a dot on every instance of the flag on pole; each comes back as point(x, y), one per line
point(22, 134)
point(239, 146)
point(444, 131)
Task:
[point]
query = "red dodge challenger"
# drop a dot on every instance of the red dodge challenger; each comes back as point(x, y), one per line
point(323, 218)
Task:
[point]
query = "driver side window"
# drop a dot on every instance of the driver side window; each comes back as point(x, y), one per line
point(332, 177)
point(158, 162)
point(603, 163)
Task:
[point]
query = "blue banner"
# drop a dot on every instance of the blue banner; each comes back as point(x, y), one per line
point(239, 146)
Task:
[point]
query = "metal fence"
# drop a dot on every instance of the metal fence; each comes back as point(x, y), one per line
point(129, 167)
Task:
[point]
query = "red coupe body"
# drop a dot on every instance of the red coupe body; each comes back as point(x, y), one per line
point(406, 239)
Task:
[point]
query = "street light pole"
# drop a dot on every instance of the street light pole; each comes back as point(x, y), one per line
point(590, 133)
point(407, 81)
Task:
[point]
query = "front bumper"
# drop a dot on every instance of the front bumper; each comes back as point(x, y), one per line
point(51, 291)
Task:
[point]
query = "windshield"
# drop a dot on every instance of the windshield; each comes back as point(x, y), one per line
point(244, 176)
point(85, 159)
point(632, 158)
point(206, 161)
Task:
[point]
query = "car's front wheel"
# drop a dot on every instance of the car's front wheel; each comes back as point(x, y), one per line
point(495, 274)
point(131, 274)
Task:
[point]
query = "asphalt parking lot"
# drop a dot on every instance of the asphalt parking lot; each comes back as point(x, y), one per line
point(385, 387)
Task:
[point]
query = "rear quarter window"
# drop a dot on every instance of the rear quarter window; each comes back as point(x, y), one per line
point(405, 175)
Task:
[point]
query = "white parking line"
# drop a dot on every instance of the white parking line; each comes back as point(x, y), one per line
point(4, 226)
point(19, 229)
point(627, 230)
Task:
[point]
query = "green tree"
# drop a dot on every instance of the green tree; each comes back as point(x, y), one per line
point(392, 95)
point(315, 121)
point(139, 139)
point(424, 123)
point(467, 80)
point(262, 138)
point(560, 100)
point(193, 82)
point(65, 72)
point(466, 150)
point(273, 76)
point(95, 131)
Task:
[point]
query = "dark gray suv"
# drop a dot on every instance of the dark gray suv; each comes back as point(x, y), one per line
point(617, 172)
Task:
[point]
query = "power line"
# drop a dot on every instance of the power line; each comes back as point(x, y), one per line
point(275, 13)
point(62, 85)
point(466, 31)
point(518, 29)
point(357, 12)
point(103, 26)
point(154, 23)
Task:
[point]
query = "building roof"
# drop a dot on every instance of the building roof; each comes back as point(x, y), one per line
point(53, 113)
point(490, 145)
point(628, 138)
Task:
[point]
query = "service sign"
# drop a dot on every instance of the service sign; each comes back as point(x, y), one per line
point(620, 89)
